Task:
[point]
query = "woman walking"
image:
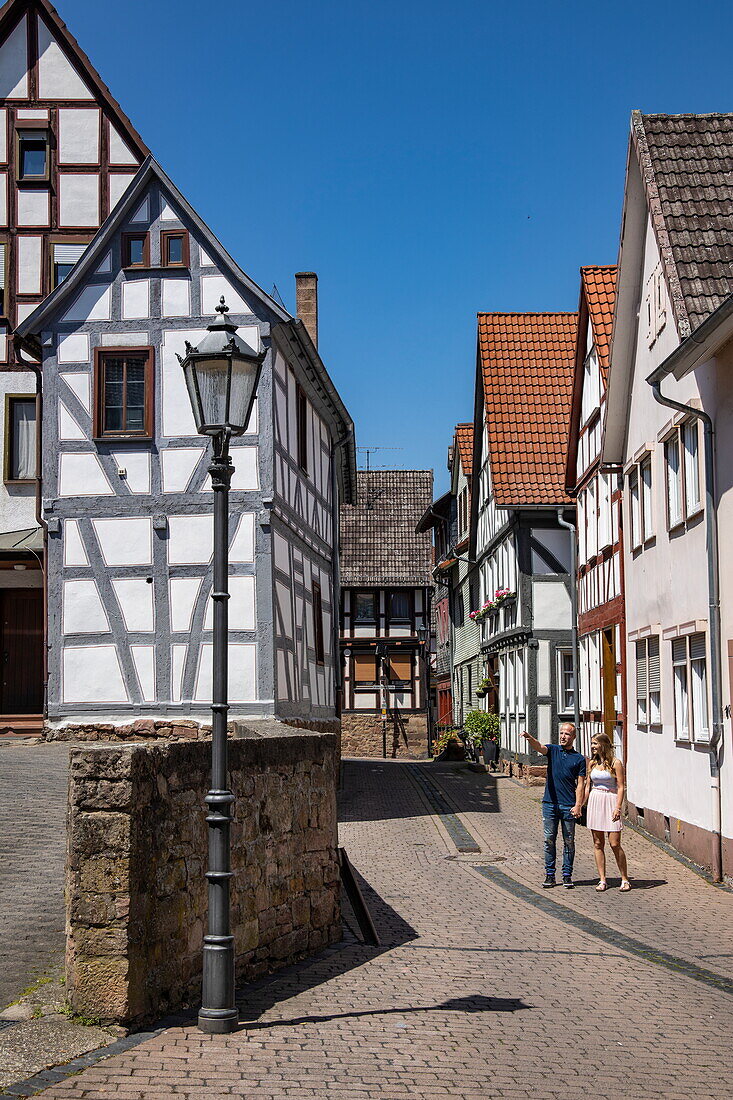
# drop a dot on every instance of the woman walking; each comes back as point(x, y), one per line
point(605, 797)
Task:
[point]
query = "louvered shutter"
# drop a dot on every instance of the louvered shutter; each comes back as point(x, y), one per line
point(697, 647)
point(679, 647)
point(2, 267)
point(653, 659)
point(641, 695)
point(68, 253)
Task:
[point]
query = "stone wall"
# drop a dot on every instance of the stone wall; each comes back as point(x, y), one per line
point(136, 893)
point(532, 775)
point(361, 735)
point(139, 730)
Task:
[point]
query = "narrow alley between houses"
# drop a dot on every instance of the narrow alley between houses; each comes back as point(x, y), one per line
point(483, 985)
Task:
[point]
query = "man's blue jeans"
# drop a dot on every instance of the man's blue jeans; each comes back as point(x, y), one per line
point(552, 816)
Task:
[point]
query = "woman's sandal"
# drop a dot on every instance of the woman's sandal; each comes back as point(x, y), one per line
point(625, 885)
point(602, 885)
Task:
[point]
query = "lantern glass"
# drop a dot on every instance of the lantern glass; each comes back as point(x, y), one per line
point(212, 376)
point(244, 382)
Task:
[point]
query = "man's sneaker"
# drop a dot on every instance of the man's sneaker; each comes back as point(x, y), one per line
point(568, 882)
point(549, 881)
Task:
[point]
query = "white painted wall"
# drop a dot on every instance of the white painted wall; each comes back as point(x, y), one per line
point(17, 502)
point(665, 586)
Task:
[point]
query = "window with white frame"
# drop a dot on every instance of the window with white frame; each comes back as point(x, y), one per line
point(591, 520)
point(605, 537)
point(689, 671)
point(591, 386)
point(682, 467)
point(641, 509)
point(648, 682)
point(565, 682)
point(655, 309)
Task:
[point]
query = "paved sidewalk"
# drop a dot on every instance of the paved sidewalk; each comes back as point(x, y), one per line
point(483, 987)
point(33, 782)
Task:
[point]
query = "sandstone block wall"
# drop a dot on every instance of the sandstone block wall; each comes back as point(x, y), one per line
point(361, 735)
point(137, 852)
point(531, 775)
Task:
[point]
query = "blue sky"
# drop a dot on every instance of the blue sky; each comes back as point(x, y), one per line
point(427, 160)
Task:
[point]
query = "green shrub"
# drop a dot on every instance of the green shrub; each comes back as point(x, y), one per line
point(480, 726)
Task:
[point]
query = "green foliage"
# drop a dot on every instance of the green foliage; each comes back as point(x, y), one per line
point(444, 736)
point(480, 726)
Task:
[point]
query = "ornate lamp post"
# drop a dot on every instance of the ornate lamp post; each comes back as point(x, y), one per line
point(221, 375)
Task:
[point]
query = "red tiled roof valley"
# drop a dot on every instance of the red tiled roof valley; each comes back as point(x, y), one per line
point(599, 286)
point(527, 362)
point(464, 442)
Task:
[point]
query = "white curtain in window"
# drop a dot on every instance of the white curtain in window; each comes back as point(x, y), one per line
point(24, 440)
point(646, 498)
point(674, 487)
point(692, 470)
point(699, 685)
point(634, 507)
point(681, 701)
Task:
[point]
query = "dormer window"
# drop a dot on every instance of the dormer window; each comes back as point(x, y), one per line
point(174, 248)
point(135, 250)
point(32, 155)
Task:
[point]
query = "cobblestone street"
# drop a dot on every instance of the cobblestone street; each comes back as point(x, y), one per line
point(33, 781)
point(484, 986)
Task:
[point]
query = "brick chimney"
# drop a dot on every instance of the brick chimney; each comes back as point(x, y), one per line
point(306, 301)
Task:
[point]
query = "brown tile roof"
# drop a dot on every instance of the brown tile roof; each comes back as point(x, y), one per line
point(379, 545)
point(527, 366)
point(687, 167)
point(599, 285)
point(464, 442)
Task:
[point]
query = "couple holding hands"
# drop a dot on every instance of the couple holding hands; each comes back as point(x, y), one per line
point(569, 789)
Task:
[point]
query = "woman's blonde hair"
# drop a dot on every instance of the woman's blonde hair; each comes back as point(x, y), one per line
point(605, 757)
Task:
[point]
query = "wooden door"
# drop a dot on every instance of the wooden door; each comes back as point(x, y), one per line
point(609, 683)
point(22, 650)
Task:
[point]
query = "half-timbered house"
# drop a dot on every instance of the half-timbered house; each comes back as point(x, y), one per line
point(597, 490)
point(386, 577)
point(440, 517)
point(127, 501)
point(67, 153)
point(523, 552)
point(669, 425)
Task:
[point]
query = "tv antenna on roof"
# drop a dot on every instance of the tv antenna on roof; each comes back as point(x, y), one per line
point(371, 450)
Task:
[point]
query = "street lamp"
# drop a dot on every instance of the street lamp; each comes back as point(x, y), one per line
point(221, 376)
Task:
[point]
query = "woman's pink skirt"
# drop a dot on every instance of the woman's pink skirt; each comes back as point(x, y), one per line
point(601, 805)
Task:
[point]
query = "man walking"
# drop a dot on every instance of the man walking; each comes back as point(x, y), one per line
point(563, 800)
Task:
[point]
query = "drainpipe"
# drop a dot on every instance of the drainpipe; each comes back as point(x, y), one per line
point(32, 349)
point(574, 614)
point(716, 683)
point(338, 681)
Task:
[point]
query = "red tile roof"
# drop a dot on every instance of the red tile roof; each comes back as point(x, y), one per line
point(599, 284)
point(527, 364)
point(464, 443)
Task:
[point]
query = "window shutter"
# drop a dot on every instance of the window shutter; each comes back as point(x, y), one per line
point(2, 267)
point(654, 674)
point(68, 253)
point(640, 670)
point(679, 648)
point(697, 647)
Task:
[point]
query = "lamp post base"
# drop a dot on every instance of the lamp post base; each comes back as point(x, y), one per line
point(218, 1021)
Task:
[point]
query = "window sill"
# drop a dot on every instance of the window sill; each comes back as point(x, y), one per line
point(695, 514)
point(676, 527)
point(122, 439)
point(19, 480)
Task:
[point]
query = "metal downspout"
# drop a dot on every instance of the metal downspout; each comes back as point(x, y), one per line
point(574, 614)
point(716, 683)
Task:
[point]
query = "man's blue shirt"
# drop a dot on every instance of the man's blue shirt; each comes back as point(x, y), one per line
point(563, 768)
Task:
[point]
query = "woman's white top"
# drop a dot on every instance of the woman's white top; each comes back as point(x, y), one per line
point(603, 780)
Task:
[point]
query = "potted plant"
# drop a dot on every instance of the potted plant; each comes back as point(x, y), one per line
point(483, 687)
point(448, 745)
point(484, 729)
